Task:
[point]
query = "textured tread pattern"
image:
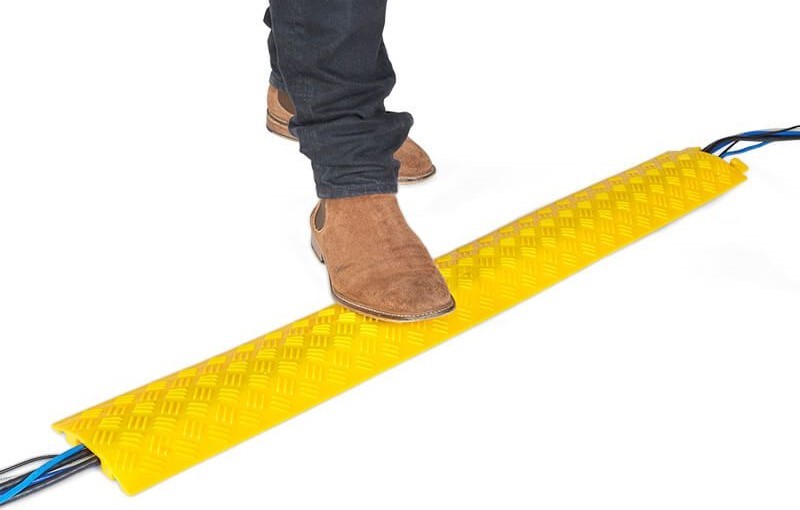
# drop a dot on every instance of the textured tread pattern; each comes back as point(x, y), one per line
point(158, 430)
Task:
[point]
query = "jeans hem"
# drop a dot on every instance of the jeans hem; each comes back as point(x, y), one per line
point(355, 191)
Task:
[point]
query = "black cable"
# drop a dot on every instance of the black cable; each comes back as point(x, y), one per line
point(58, 476)
point(728, 148)
point(735, 138)
point(25, 463)
point(14, 481)
point(777, 135)
point(782, 138)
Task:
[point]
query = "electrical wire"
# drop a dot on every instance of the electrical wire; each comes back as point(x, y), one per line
point(762, 135)
point(34, 475)
point(729, 152)
point(782, 135)
point(25, 463)
point(55, 469)
point(759, 139)
point(17, 479)
point(55, 477)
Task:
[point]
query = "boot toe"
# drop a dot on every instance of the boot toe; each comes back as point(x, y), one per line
point(416, 296)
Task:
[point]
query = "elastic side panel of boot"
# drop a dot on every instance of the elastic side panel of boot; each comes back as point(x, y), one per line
point(153, 432)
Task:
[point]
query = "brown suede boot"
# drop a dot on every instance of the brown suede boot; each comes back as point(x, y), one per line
point(377, 265)
point(415, 164)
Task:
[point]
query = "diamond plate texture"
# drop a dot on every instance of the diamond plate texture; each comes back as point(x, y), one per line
point(158, 430)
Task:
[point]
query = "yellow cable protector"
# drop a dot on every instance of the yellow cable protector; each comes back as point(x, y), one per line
point(151, 433)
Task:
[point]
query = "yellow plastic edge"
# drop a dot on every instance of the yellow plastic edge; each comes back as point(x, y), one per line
point(156, 431)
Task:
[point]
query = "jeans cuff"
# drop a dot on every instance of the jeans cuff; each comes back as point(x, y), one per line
point(355, 191)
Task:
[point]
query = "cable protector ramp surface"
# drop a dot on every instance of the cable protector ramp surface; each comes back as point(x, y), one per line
point(158, 430)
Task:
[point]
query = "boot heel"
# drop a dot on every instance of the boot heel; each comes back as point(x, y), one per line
point(279, 127)
point(316, 250)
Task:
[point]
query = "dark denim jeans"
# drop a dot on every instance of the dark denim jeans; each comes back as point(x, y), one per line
point(330, 58)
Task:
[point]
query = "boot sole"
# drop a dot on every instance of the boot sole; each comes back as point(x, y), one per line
point(377, 314)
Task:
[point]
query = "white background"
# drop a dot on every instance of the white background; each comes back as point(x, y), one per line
point(148, 221)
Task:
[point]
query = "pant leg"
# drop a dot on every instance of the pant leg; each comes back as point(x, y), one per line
point(334, 63)
point(275, 77)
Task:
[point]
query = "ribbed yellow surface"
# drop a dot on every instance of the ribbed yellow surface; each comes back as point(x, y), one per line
point(158, 430)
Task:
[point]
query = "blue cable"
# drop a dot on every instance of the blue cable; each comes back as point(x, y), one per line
point(35, 476)
point(725, 153)
point(773, 133)
point(50, 475)
point(746, 149)
point(47, 476)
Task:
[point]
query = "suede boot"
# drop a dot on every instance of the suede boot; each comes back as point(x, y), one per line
point(377, 265)
point(415, 164)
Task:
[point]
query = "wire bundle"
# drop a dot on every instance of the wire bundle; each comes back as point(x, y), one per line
point(55, 469)
point(758, 139)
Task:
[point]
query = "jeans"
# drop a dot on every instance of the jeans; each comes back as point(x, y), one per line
point(329, 56)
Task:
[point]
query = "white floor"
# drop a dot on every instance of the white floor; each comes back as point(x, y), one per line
point(146, 216)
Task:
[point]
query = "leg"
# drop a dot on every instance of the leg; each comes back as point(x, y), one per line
point(415, 164)
point(275, 78)
point(335, 68)
point(332, 60)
